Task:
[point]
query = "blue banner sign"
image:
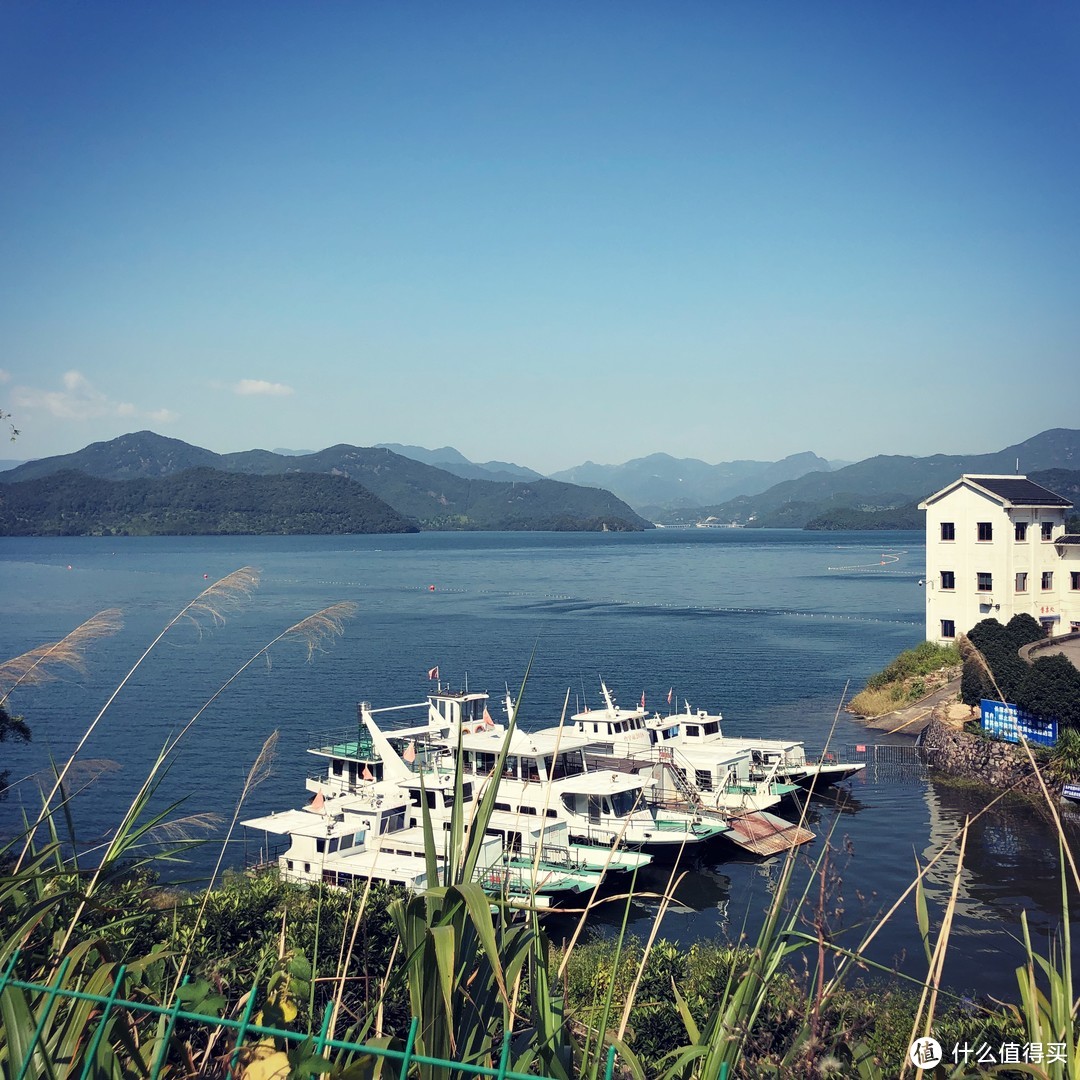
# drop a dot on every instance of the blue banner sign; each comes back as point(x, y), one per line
point(1008, 722)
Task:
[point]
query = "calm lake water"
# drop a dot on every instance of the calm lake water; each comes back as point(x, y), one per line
point(768, 626)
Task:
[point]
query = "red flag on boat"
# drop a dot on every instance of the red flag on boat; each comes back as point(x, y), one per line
point(488, 722)
point(669, 693)
point(410, 752)
point(366, 774)
point(860, 748)
point(643, 699)
point(433, 673)
point(316, 804)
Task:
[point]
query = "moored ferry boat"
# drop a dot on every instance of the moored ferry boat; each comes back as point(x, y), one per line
point(697, 738)
point(544, 775)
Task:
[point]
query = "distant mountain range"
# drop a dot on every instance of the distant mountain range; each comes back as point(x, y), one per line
point(442, 489)
point(888, 482)
point(660, 483)
point(453, 461)
point(421, 494)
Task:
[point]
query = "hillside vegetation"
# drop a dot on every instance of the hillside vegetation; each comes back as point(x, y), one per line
point(200, 501)
point(419, 494)
point(909, 678)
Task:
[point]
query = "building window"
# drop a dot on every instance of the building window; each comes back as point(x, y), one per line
point(948, 530)
point(1047, 579)
point(948, 579)
point(984, 582)
point(1047, 530)
point(948, 628)
point(703, 777)
point(985, 530)
point(1074, 580)
point(1021, 582)
point(1074, 628)
point(1021, 531)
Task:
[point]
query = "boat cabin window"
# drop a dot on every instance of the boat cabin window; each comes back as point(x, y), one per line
point(502, 806)
point(320, 844)
point(510, 768)
point(466, 791)
point(692, 731)
point(485, 762)
point(346, 841)
point(551, 813)
point(669, 733)
point(392, 821)
point(334, 842)
point(567, 764)
point(712, 727)
point(527, 810)
point(288, 864)
point(570, 803)
point(622, 803)
point(530, 770)
point(337, 766)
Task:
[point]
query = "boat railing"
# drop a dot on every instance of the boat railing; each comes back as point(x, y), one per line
point(550, 855)
point(266, 855)
point(350, 743)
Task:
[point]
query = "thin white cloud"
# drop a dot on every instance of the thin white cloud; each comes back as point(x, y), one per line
point(5, 376)
point(79, 399)
point(261, 388)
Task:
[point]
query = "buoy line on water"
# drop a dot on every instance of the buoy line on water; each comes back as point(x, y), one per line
point(887, 557)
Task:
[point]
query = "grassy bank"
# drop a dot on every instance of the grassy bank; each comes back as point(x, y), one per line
point(909, 678)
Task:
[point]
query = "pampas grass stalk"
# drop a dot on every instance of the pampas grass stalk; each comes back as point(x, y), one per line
point(38, 665)
point(211, 601)
point(314, 631)
point(970, 651)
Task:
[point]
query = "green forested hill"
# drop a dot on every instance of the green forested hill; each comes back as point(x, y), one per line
point(431, 497)
point(197, 501)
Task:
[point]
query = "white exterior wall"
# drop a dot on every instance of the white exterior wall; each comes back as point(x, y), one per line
point(1003, 557)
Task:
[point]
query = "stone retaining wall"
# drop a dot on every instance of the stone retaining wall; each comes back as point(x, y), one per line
point(973, 757)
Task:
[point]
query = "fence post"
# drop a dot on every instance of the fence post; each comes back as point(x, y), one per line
point(244, 1021)
point(110, 1001)
point(169, 1028)
point(406, 1059)
point(51, 997)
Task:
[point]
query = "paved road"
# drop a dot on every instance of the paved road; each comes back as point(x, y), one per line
point(1069, 648)
point(913, 718)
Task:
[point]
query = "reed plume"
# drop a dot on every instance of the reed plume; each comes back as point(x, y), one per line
point(969, 651)
point(212, 600)
point(41, 664)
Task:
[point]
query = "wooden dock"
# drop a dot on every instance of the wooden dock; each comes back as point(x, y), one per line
point(766, 834)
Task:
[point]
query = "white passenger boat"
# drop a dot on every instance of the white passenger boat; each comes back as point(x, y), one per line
point(544, 776)
point(365, 823)
point(713, 760)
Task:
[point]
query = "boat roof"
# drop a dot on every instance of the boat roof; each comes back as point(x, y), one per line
point(524, 743)
point(299, 822)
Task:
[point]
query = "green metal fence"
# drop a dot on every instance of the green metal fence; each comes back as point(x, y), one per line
point(245, 1031)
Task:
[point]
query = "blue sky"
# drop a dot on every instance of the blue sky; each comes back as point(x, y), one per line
point(541, 233)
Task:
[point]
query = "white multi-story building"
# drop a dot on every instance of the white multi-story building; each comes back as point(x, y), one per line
point(996, 546)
